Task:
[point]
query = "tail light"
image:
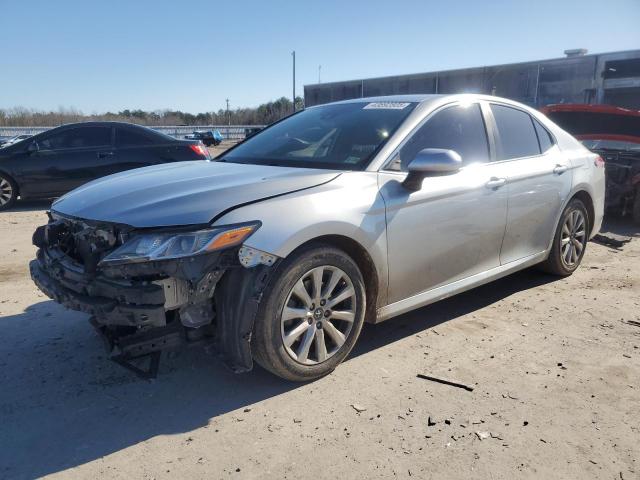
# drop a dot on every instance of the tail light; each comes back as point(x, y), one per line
point(599, 161)
point(201, 150)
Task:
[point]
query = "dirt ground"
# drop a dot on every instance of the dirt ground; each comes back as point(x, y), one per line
point(554, 364)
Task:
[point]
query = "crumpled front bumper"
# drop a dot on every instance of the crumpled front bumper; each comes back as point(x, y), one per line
point(127, 303)
point(167, 303)
point(142, 308)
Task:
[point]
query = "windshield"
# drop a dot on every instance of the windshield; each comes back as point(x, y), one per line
point(339, 136)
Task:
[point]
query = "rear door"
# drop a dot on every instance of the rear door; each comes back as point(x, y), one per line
point(141, 147)
point(452, 228)
point(539, 179)
point(138, 148)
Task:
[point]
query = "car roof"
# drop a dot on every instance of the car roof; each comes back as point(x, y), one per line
point(102, 124)
point(429, 99)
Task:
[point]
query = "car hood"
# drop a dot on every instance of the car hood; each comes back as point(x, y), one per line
point(183, 193)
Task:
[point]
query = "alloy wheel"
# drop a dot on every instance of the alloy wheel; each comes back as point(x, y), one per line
point(573, 238)
point(318, 315)
point(6, 191)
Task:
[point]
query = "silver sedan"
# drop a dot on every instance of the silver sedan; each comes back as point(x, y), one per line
point(344, 213)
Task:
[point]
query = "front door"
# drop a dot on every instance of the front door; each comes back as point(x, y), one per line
point(453, 227)
point(72, 157)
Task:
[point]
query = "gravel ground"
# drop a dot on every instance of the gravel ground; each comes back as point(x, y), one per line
point(554, 365)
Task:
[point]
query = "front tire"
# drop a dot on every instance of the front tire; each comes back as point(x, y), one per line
point(311, 315)
point(569, 241)
point(8, 192)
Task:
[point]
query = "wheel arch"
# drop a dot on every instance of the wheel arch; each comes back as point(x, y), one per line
point(587, 200)
point(15, 186)
point(8, 175)
point(365, 263)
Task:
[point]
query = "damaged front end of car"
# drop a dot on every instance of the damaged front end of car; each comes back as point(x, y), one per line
point(149, 290)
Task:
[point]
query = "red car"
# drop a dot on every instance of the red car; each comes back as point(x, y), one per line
point(613, 133)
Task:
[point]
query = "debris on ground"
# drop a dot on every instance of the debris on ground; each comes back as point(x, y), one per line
point(483, 435)
point(634, 323)
point(358, 408)
point(446, 382)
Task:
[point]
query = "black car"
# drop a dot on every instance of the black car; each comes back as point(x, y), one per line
point(61, 159)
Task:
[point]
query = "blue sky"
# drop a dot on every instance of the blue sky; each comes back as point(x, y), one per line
point(110, 55)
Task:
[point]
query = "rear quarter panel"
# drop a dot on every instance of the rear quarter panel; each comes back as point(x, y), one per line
point(586, 175)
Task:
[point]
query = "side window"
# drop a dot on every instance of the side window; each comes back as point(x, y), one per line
point(516, 131)
point(458, 128)
point(132, 137)
point(54, 142)
point(544, 137)
point(82, 137)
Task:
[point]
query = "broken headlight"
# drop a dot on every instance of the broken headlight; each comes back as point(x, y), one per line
point(170, 245)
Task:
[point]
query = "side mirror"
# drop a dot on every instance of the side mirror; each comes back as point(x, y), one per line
point(33, 147)
point(431, 162)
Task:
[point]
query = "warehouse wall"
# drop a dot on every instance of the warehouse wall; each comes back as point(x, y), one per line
point(612, 78)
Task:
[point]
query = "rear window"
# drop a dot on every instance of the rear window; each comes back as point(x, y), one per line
point(337, 136)
point(132, 137)
point(517, 135)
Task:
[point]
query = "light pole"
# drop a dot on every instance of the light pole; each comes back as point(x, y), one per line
point(228, 114)
point(293, 54)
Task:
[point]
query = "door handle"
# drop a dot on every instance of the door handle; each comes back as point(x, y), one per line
point(495, 182)
point(560, 169)
point(105, 154)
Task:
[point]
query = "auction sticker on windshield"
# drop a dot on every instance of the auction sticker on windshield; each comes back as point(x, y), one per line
point(386, 105)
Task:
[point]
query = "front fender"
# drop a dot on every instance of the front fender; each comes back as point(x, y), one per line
point(349, 206)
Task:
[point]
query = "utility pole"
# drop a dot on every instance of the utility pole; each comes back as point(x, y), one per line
point(228, 113)
point(319, 70)
point(294, 80)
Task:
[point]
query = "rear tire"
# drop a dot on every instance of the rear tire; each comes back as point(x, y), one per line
point(569, 241)
point(8, 192)
point(303, 332)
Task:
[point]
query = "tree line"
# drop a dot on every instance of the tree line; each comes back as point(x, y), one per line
point(262, 115)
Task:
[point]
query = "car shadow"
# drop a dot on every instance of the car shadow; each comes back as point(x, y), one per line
point(379, 335)
point(618, 225)
point(63, 404)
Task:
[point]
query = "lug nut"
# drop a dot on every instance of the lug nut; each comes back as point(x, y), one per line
point(327, 313)
point(310, 321)
point(319, 325)
point(322, 302)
